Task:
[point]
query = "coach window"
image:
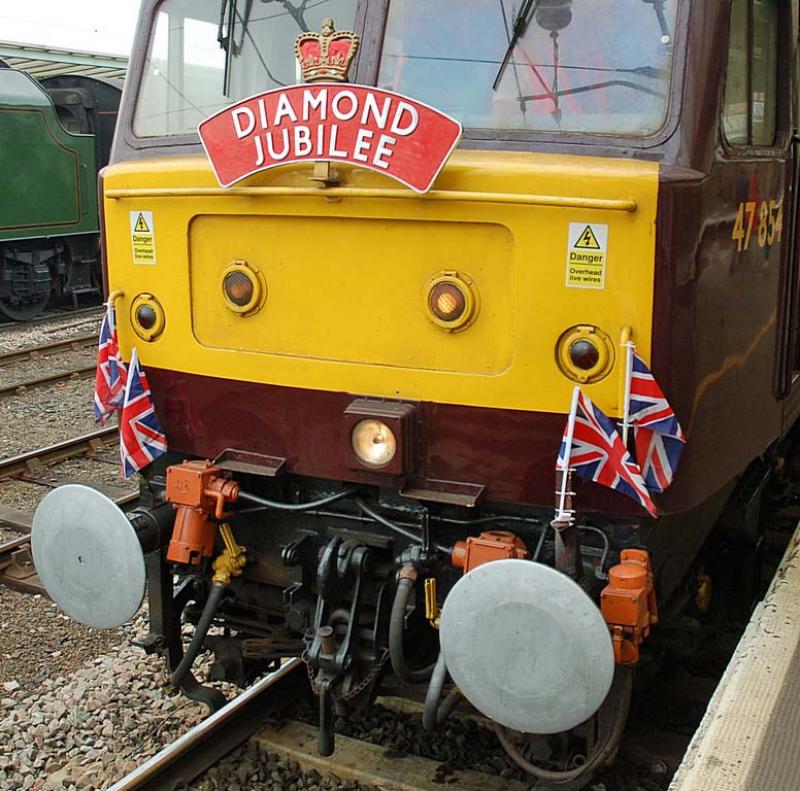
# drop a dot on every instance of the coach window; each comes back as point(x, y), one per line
point(750, 112)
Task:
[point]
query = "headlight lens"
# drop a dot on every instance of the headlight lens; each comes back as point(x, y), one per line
point(447, 301)
point(373, 443)
point(584, 354)
point(146, 316)
point(238, 288)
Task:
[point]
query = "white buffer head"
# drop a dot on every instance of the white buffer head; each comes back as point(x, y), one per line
point(88, 556)
point(526, 646)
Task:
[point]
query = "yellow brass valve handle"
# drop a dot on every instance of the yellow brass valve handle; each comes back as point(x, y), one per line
point(231, 560)
point(431, 607)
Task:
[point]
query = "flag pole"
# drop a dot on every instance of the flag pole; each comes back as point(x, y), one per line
point(567, 453)
point(626, 400)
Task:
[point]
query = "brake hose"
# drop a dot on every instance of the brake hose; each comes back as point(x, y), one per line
point(200, 632)
point(405, 587)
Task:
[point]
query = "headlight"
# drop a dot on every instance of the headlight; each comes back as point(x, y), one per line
point(243, 288)
point(451, 301)
point(373, 443)
point(585, 354)
point(147, 317)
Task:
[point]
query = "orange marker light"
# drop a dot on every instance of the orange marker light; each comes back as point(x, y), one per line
point(243, 288)
point(447, 301)
point(451, 301)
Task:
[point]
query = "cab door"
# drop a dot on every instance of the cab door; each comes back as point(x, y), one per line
point(788, 347)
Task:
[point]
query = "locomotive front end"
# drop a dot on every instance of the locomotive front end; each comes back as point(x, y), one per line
point(362, 386)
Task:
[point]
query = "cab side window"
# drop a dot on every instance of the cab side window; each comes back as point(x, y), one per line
point(750, 113)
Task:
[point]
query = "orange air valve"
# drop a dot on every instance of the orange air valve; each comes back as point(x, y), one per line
point(199, 493)
point(493, 545)
point(628, 604)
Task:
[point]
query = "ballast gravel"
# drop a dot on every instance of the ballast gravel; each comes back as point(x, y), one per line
point(45, 415)
point(65, 360)
point(250, 768)
point(21, 336)
point(87, 729)
point(38, 642)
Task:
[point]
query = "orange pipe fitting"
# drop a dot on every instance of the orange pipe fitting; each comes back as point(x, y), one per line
point(200, 495)
point(628, 604)
point(492, 545)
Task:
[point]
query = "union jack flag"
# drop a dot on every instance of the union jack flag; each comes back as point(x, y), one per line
point(649, 407)
point(659, 456)
point(141, 437)
point(109, 383)
point(658, 434)
point(598, 454)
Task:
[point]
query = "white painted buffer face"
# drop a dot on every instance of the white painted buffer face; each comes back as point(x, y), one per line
point(88, 556)
point(526, 646)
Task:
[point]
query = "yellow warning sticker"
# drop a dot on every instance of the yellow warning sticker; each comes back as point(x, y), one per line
point(143, 240)
point(586, 255)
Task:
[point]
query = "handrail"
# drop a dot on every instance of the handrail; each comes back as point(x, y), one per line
point(524, 199)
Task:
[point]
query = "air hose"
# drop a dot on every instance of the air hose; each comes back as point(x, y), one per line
point(435, 713)
point(405, 589)
point(624, 679)
point(200, 632)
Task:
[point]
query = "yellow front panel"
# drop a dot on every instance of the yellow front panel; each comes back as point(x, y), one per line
point(347, 270)
point(352, 290)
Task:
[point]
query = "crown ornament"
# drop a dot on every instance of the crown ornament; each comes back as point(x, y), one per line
point(326, 55)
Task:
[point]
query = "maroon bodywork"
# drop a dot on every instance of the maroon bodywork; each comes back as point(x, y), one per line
point(503, 450)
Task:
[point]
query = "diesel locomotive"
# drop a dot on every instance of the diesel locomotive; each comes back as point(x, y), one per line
point(55, 135)
point(364, 386)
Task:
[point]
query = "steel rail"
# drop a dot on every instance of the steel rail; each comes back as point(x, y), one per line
point(16, 567)
point(77, 343)
point(84, 445)
point(200, 748)
point(62, 376)
point(67, 314)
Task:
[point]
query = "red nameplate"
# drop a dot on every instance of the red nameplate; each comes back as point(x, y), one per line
point(367, 127)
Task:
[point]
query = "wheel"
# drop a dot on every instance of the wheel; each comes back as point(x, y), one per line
point(23, 311)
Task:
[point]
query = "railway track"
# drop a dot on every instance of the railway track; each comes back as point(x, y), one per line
point(259, 715)
point(83, 372)
point(33, 464)
point(41, 351)
point(78, 343)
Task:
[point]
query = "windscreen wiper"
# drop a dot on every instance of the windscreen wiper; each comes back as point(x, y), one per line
point(658, 7)
point(227, 9)
point(523, 18)
point(226, 36)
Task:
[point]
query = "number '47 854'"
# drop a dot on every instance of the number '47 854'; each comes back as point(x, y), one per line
point(763, 220)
